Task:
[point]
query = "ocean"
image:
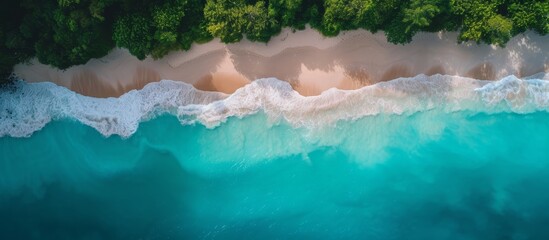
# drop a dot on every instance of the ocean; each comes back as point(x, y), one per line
point(438, 157)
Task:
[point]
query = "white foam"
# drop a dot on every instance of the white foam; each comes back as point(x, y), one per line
point(519, 95)
point(30, 106)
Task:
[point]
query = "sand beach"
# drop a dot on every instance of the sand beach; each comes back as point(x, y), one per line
point(310, 62)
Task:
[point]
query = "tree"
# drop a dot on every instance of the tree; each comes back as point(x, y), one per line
point(73, 36)
point(193, 27)
point(167, 19)
point(258, 24)
point(231, 19)
point(530, 14)
point(498, 30)
point(419, 14)
point(289, 13)
point(345, 15)
point(224, 19)
point(482, 22)
point(134, 33)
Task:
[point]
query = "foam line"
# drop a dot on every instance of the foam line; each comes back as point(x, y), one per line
point(28, 107)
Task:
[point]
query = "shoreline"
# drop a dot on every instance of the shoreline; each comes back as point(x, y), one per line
point(310, 62)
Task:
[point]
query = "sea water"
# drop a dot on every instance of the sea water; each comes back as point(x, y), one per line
point(420, 158)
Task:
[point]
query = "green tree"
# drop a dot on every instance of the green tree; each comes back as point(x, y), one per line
point(72, 36)
point(134, 33)
point(482, 21)
point(530, 14)
point(258, 24)
point(224, 19)
point(498, 30)
point(193, 27)
point(167, 19)
point(420, 14)
point(231, 19)
point(289, 13)
point(345, 15)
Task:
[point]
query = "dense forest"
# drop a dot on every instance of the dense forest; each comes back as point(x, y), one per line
point(63, 33)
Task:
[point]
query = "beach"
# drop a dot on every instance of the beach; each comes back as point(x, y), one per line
point(310, 62)
point(290, 119)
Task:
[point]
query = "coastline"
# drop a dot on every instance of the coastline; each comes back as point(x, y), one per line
point(310, 62)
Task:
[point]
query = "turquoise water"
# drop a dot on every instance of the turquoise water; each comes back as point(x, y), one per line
point(429, 157)
point(427, 175)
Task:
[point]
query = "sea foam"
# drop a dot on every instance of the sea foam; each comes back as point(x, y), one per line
point(28, 107)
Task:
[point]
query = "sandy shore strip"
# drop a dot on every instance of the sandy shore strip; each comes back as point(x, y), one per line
point(310, 62)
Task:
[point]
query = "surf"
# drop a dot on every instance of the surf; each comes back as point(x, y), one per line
point(28, 107)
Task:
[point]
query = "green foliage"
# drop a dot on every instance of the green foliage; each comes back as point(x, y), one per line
point(385, 14)
point(396, 32)
point(63, 33)
point(498, 30)
point(224, 19)
point(72, 35)
point(193, 27)
point(482, 21)
point(345, 15)
point(166, 20)
point(420, 14)
point(133, 32)
point(231, 19)
point(97, 8)
point(530, 15)
point(288, 12)
point(259, 26)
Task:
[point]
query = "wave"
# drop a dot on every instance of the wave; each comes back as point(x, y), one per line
point(28, 107)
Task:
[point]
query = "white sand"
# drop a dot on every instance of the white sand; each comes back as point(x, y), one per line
point(306, 59)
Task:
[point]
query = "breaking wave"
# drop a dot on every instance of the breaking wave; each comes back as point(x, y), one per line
point(28, 107)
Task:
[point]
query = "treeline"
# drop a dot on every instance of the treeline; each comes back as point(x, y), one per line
point(63, 33)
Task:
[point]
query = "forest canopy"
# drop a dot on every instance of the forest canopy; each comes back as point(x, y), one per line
point(63, 33)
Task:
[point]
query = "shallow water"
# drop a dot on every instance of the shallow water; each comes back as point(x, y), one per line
point(428, 174)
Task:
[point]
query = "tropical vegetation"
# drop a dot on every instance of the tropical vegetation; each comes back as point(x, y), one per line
point(63, 33)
